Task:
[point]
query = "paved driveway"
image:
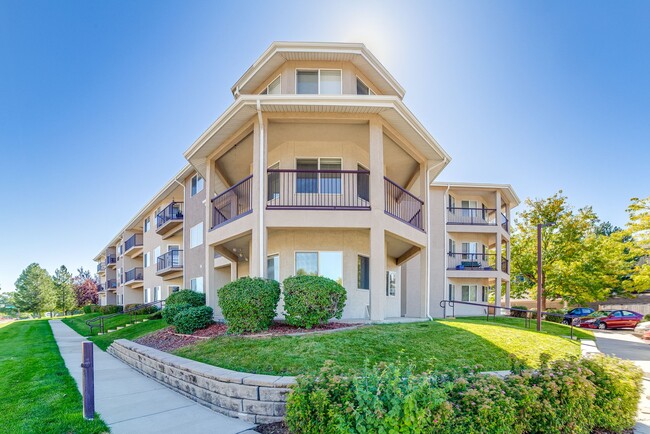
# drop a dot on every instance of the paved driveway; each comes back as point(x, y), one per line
point(623, 344)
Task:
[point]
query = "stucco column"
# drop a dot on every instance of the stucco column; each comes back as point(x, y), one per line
point(497, 294)
point(425, 258)
point(507, 303)
point(259, 236)
point(377, 233)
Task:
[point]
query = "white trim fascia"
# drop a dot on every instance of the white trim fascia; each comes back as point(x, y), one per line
point(506, 188)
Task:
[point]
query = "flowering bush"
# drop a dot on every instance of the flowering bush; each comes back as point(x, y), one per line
point(566, 396)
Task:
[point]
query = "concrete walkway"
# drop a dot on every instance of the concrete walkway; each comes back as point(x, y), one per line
point(623, 344)
point(129, 402)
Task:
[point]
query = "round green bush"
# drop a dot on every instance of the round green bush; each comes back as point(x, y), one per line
point(187, 321)
point(312, 300)
point(248, 304)
point(171, 310)
point(186, 296)
point(110, 309)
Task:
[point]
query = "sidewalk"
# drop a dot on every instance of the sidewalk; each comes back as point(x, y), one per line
point(130, 403)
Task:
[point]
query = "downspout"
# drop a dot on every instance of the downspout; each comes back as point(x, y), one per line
point(184, 202)
point(261, 190)
point(428, 186)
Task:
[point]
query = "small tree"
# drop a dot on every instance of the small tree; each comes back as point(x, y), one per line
point(85, 288)
point(639, 229)
point(33, 289)
point(64, 295)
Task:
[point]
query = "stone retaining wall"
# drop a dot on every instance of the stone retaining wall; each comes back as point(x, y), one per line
point(251, 397)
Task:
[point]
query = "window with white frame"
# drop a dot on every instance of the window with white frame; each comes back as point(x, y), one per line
point(363, 272)
point(147, 224)
point(391, 283)
point(308, 180)
point(273, 267)
point(197, 184)
point(156, 253)
point(156, 293)
point(363, 89)
point(147, 295)
point(146, 261)
point(319, 82)
point(326, 264)
point(196, 284)
point(452, 292)
point(196, 235)
point(173, 288)
point(469, 292)
point(274, 88)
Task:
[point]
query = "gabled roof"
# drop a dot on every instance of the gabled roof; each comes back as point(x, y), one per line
point(506, 189)
point(281, 52)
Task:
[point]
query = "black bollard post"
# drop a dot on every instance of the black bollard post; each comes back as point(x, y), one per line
point(88, 380)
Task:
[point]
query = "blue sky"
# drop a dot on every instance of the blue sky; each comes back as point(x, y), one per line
point(543, 95)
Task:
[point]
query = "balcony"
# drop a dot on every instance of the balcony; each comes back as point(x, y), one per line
point(505, 265)
point(402, 205)
point(472, 261)
point(233, 203)
point(170, 262)
point(471, 216)
point(100, 287)
point(110, 284)
point(170, 219)
point(110, 260)
point(318, 189)
point(133, 246)
point(505, 223)
point(101, 268)
point(133, 277)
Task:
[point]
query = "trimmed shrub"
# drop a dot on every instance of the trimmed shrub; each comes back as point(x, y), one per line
point(91, 308)
point(156, 315)
point(187, 321)
point(110, 309)
point(646, 317)
point(249, 304)
point(144, 311)
point(171, 310)
point(312, 300)
point(518, 314)
point(555, 318)
point(618, 383)
point(186, 296)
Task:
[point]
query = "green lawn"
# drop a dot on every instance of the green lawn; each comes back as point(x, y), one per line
point(433, 345)
point(37, 394)
point(132, 332)
point(78, 323)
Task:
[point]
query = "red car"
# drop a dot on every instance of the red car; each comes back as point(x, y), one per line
point(611, 319)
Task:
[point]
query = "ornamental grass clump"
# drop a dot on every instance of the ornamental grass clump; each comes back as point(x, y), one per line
point(249, 304)
point(312, 300)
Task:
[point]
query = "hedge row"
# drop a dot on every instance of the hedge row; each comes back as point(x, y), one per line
point(568, 396)
point(104, 310)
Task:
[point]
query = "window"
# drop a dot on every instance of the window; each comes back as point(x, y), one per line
point(322, 81)
point(326, 264)
point(147, 260)
point(452, 246)
point(147, 224)
point(363, 272)
point(273, 267)
point(310, 181)
point(452, 201)
point(468, 292)
point(391, 278)
point(470, 250)
point(452, 292)
point(156, 293)
point(363, 89)
point(196, 284)
point(147, 295)
point(156, 253)
point(273, 88)
point(197, 184)
point(196, 235)
point(173, 288)
point(628, 314)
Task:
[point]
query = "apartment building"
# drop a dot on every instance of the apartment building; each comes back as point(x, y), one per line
point(318, 167)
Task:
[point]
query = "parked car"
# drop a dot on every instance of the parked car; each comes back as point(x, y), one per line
point(642, 330)
point(611, 319)
point(578, 312)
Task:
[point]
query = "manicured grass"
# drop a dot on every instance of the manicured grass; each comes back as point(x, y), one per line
point(131, 333)
point(435, 345)
point(37, 394)
point(78, 323)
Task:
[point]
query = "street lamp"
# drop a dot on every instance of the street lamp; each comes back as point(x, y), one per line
point(539, 273)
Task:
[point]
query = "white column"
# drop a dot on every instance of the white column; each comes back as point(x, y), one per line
point(377, 234)
point(507, 304)
point(259, 236)
point(497, 294)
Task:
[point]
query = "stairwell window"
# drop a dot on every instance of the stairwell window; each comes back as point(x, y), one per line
point(274, 88)
point(318, 82)
point(147, 224)
point(197, 184)
point(196, 284)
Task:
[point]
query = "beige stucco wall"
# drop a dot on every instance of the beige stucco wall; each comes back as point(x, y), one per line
point(195, 209)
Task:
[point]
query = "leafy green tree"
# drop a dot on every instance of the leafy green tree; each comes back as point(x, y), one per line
point(639, 229)
point(581, 263)
point(33, 290)
point(64, 295)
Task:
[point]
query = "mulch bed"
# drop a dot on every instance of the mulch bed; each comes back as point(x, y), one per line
point(272, 428)
point(167, 340)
